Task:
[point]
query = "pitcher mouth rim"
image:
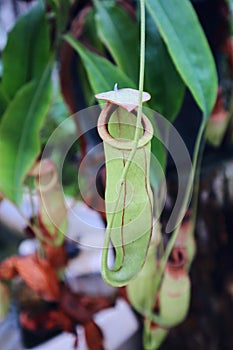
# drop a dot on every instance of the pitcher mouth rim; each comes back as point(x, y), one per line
point(102, 127)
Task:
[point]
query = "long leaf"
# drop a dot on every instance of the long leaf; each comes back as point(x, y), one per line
point(179, 27)
point(101, 73)
point(91, 32)
point(162, 80)
point(19, 134)
point(3, 102)
point(120, 34)
point(27, 51)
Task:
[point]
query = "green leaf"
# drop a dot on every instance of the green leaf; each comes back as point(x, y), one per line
point(162, 80)
point(60, 10)
point(102, 74)
point(90, 31)
point(120, 34)
point(3, 102)
point(19, 134)
point(84, 81)
point(179, 27)
point(27, 51)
